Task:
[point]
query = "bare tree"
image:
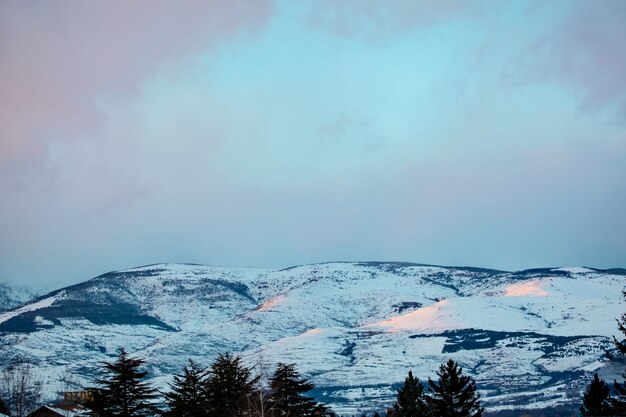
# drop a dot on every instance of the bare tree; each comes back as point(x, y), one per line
point(260, 400)
point(21, 389)
point(72, 389)
point(69, 382)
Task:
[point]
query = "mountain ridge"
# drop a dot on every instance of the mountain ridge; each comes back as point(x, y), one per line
point(12, 296)
point(525, 334)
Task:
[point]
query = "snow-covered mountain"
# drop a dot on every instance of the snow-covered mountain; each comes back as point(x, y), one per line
point(12, 296)
point(529, 338)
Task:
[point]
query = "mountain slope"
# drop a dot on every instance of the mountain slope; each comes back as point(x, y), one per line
point(354, 328)
point(12, 296)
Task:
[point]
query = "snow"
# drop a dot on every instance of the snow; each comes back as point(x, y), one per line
point(268, 304)
point(354, 329)
point(12, 296)
point(46, 302)
point(532, 287)
point(574, 269)
point(42, 321)
point(592, 366)
point(435, 317)
point(75, 411)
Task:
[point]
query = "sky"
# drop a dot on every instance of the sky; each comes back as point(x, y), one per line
point(276, 133)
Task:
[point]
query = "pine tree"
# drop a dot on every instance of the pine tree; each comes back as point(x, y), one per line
point(618, 400)
point(188, 396)
point(597, 399)
point(454, 394)
point(621, 325)
point(122, 391)
point(410, 400)
point(3, 408)
point(288, 389)
point(228, 386)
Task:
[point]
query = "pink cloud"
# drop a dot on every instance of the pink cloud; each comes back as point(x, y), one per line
point(57, 58)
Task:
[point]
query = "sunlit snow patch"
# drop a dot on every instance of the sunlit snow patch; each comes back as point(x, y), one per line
point(271, 302)
point(434, 317)
point(520, 289)
point(312, 332)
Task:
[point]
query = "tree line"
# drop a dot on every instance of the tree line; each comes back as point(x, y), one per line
point(599, 400)
point(229, 389)
point(226, 389)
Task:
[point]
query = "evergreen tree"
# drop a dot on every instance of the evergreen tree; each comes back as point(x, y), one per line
point(228, 386)
point(122, 391)
point(621, 325)
point(188, 396)
point(597, 399)
point(618, 400)
point(3, 408)
point(410, 400)
point(288, 389)
point(454, 394)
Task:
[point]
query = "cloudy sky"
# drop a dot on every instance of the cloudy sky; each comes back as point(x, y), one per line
point(270, 134)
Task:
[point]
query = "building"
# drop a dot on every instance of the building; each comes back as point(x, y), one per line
point(61, 410)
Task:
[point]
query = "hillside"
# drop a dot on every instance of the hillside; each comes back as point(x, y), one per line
point(354, 328)
point(12, 296)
